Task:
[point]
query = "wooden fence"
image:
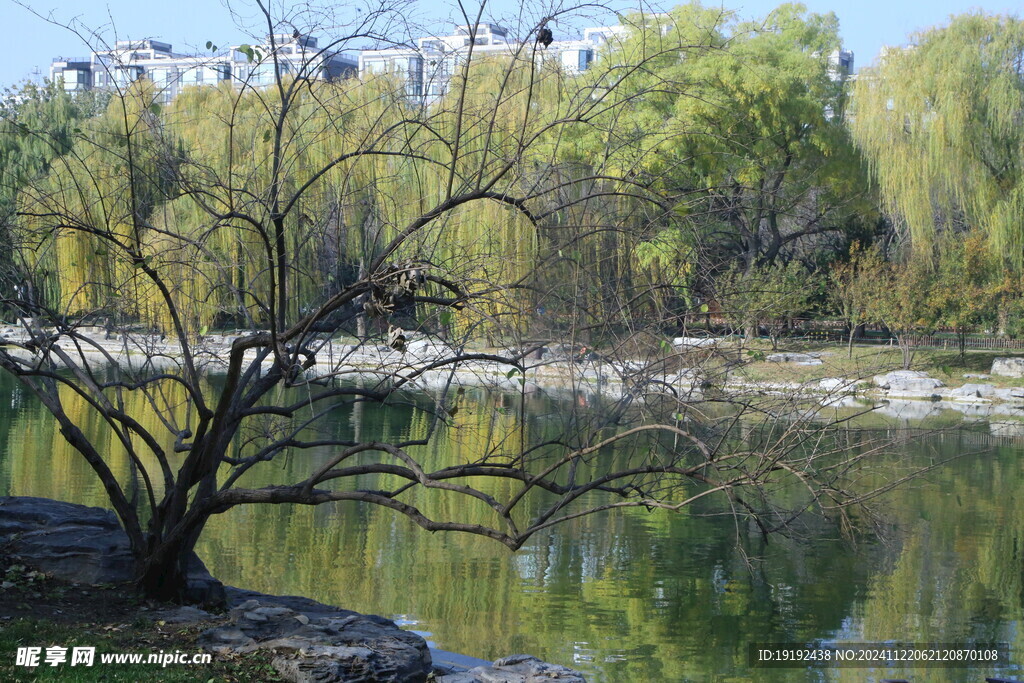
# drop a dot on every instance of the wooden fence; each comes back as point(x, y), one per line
point(935, 341)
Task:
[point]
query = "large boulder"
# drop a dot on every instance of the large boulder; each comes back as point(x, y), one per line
point(1011, 394)
point(82, 545)
point(323, 644)
point(910, 382)
point(837, 384)
point(310, 641)
point(428, 351)
point(1008, 367)
point(516, 669)
point(973, 391)
point(695, 342)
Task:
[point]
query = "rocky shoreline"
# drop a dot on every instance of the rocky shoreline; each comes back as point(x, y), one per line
point(558, 369)
point(308, 641)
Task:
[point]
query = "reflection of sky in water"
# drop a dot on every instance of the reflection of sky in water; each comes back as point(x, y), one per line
point(628, 596)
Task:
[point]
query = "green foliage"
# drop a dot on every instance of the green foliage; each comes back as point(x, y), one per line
point(940, 125)
point(901, 298)
point(38, 124)
point(852, 286)
point(747, 131)
point(765, 295)
point(964, 291)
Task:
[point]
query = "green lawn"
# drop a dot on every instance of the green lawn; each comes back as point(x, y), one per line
point(867, 361)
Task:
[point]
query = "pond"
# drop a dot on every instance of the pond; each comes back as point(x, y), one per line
point(629, 595)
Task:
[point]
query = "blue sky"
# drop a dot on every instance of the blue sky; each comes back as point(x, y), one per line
point(30, 43)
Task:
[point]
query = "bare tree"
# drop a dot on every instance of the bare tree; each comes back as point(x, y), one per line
point(291, 212)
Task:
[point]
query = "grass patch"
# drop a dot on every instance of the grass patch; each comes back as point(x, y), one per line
point(39, 611)
point(868, 361)
point(142, 636)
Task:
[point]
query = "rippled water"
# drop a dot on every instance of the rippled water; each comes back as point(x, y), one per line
point(629, 596)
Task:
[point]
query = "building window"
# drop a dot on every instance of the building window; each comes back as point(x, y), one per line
point(577, 60)
point(263, 74)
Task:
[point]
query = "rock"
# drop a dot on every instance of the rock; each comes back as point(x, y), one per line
point(918, 395)
point(82, 545)
point(834, 384)
point(327, 644)
point(1012, 394)
point(798, 358)
point(908, 382)
point(458, 677)
point(883, 380)
point(426, 350)
point(976, 375)
point(970, 391)
point(685, 378)
point(516, 669)
point(1008, 367)
point(561, 352)
point(695, 341)
point(317, 665)
point(312, 641)
point(225, 639)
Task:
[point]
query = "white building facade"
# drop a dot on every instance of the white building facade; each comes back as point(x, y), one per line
point(130, 60)
point(424, 70)
point(427, 69)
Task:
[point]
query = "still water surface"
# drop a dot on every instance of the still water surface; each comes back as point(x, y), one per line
point(629, 596)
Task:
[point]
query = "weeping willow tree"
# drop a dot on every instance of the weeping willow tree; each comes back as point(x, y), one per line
point(940, 123)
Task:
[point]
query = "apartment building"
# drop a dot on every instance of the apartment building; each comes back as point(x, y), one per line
point(424, 69)
point(170, 72)
point(427, 69)
point(840, 64)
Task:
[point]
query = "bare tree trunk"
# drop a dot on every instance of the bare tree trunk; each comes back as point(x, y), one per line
point(906, 347)
point(163, 574)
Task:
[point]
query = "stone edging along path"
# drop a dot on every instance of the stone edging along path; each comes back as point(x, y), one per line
point(308, 641)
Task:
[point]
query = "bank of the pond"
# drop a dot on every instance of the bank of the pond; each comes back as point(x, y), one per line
point(63, 569)
point(978, 384)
